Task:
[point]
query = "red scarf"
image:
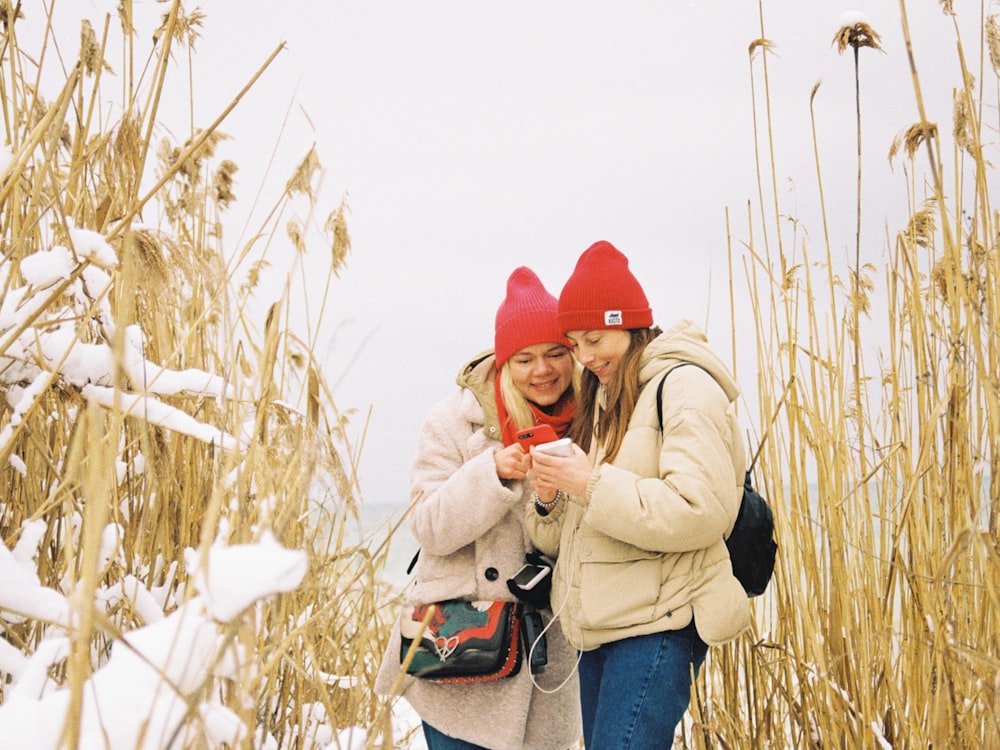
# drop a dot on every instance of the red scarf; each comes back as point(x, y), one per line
point(559, 419)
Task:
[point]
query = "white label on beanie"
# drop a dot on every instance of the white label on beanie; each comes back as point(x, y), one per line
point(612, 317)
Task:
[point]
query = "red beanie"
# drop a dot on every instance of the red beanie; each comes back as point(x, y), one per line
point(603, 293)
point(527, 316)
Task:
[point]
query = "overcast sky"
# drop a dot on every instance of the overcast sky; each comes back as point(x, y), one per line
point(475, 137)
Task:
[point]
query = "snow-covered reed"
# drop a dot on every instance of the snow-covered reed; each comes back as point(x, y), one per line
point(177, 486)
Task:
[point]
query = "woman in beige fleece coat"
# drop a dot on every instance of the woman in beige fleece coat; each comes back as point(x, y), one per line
point(643, 582)
point(468, 491)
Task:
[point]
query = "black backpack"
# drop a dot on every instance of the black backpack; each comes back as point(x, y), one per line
point(751, 544)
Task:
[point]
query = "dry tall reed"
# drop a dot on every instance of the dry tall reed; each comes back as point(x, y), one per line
point(77, 161)
point(881, 627)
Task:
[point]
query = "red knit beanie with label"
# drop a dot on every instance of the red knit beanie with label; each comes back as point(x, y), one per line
point(603, 293)
point(527, 316)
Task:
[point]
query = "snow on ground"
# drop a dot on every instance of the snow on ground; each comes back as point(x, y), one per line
point(138, 697)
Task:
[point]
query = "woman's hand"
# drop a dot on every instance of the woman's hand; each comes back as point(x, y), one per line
point(567, 473)
point(512, 462)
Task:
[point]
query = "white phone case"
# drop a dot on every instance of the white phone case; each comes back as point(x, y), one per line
point(522, 579)
point(561, 447)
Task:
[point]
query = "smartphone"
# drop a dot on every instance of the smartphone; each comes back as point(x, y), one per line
point(535, 640)
point(530, 576)
point(540, 433)
point(561, 447)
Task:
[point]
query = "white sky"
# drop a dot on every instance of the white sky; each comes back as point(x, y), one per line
point(474, 137)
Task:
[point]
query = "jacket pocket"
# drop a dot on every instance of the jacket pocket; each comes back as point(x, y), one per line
point(619, 583)
point(721, 606)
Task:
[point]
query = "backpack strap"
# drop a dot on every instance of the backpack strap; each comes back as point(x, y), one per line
point(659, 392)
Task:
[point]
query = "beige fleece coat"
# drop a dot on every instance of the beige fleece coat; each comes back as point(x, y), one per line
point(472, 539)
point(644, 551)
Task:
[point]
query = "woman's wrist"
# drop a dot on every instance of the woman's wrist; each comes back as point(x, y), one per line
point(548, 505)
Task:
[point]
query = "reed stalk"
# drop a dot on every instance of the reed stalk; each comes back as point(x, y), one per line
point(879, 629)
point(83, 470)
point(877, 438)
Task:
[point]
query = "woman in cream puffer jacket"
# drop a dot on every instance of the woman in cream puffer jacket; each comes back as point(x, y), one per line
point(642, 582)
point(643, 550)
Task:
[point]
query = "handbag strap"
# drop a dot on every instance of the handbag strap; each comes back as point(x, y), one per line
point(413, 562)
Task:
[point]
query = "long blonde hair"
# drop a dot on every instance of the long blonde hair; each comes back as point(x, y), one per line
point(621, 395)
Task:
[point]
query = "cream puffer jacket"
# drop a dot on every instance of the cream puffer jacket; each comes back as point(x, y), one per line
point(470, 527)
point(644, 551)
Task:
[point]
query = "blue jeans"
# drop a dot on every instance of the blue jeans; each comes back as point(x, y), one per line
point(437, 741)
point(633, 692)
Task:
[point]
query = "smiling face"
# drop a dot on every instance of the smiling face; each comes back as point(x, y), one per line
point(600, 351)
point(542, 372)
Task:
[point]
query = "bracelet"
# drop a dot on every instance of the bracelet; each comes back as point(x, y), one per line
point(547, 506)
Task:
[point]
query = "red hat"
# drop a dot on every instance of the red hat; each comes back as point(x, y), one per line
point(527, 316)
point(603, 293)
